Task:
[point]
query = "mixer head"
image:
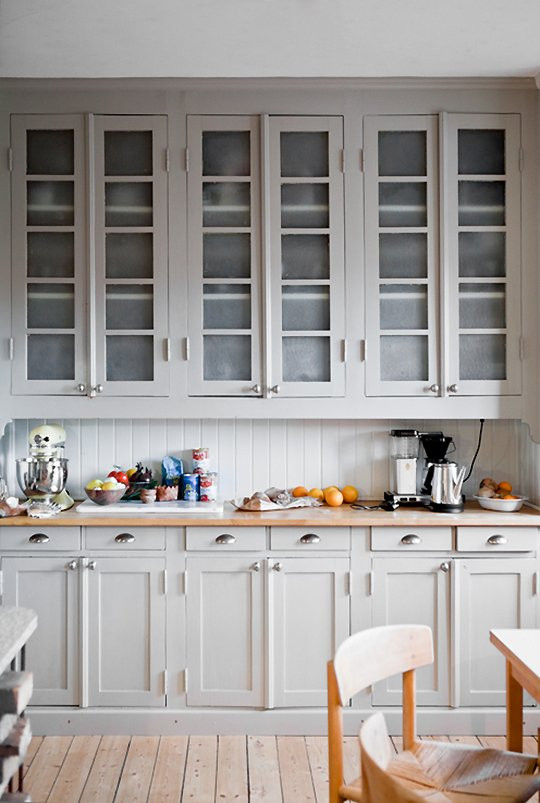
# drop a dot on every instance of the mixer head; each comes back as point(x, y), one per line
point(47, 440)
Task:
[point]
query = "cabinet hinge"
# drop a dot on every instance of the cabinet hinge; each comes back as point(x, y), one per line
point(342, 160)
point(2, 587)
point(186, 159)
point(361, 160)
point(535, 584)
point(11, 348)
point(363, 351)
point(521, 347)
point(167, 349)
point(371, 584)
point(10, 159)
point(167, 160)
point(186, 348)
point(344, 350)
point(185, 583)
point(165, 585)
point(165, 682)
point(349, 584)
point(520, 160)
point(185, 679)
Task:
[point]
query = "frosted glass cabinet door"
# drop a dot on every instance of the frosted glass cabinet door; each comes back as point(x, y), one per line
point(48, 256)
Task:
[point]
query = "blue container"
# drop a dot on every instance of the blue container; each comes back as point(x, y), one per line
point(191, 487)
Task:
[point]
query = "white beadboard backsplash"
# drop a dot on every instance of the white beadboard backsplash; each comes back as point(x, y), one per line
point(254, 454)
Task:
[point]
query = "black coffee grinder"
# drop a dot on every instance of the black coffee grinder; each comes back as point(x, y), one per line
point(436, 448)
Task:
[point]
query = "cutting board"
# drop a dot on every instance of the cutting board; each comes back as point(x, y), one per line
point(177, 507)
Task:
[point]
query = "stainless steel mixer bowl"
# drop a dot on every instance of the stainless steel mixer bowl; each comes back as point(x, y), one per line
point(42, 478)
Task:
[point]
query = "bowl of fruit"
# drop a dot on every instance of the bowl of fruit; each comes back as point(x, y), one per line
point(138, 479)
point(106, 492)
point(498, 496)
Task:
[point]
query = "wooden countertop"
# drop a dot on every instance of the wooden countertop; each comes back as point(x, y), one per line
point(323, 516)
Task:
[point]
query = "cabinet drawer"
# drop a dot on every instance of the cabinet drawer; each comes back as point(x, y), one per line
point(310, 539)
point(40, 539)
point(411, 539)
point(226, 539)
point(122, 538)
point(497, 539)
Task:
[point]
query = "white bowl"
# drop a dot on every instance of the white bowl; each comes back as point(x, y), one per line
point(503, 505)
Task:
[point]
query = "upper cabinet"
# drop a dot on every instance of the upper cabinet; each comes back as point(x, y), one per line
point(89, 222)
point(442, 232)
point(266, 256)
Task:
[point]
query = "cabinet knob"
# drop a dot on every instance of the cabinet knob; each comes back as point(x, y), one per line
point(445, 567)
point(99, 388)
point(124, 538)
point(452, 388)
point(275, 389)
point(432, 389)
point(81, 388)
point(92, 565)
point(257, 566)
point(277, 567)
point(72, 565)
point(497, 540)
point(256, 389)
point(39, 538)
point(310, 538)
point(225, 538)
point(411, 538)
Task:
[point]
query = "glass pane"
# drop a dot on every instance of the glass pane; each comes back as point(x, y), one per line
point(402, 153)
point(51, 356)
point(129, 306)
point(306, 359)
point(50, 254)
point(226, 153)
point(482, 356)
point(304, 206)
point(306, 308)
point(128, 153)
point(305, 256)
point(482, 306)
point(480, 152)
point(404, 306)
point(128, 204)
point(404, 358)
point(49, 203)
point(129, 256)
point(226, 204)
point(227, 357)
point(482, 253)
point(304, 153)
point(227, 306)
point(402, 204)
point(50, 153)
point(481, 203)
point(403, 256)
point(50, 306)
point(130, 358)
point(226, 256)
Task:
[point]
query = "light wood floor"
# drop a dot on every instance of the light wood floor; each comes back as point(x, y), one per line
point(195, 769)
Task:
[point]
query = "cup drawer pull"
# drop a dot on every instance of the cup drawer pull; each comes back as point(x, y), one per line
point(125, 538)
point(497, 540)
point(39, 538)
point(411, 538)
point(225, 538)
point(310, 538)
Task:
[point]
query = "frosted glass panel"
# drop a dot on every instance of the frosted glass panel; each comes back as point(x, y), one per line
point(227, 357)
point(129, 256)
point(130, 358)
point(402, 204)
point(227, 306)
point(404, 358)
point(129, 306)
point(482, 356)
point(306, 308)
point(50, 306)
point(482, 253)
point(306, 359)
point(50, 254)
point(128, 153)
point(305, 256)
point(226, 153)
point(482, 306)
point(49, 153)
point(49, 203)
point(402, 153)
point(481, 203)
point(226, 204)
point(304, 206)
point(304, 153)
point(226, 256)
point(403, 256)
point(128, 204)
point(403, 306)
point(51, 356)
point(481, 152)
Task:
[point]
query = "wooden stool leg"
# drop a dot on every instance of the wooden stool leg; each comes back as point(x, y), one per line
point(514, 712)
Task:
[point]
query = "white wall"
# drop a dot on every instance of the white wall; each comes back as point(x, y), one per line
point(252, 455)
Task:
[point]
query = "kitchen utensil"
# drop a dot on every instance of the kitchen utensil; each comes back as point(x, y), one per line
point(101, 497)
point(446, 485)
point(41, 479)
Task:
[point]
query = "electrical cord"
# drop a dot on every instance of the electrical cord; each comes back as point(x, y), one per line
point(482, 420)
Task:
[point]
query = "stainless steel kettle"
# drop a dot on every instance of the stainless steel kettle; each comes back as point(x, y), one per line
point(446, 485)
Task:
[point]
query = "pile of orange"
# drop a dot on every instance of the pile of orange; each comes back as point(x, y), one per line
point(332, 495)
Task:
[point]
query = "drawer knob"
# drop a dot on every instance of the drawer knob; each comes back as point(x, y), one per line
point(497, 540)
point(124, 538)
point(72, 565)
point(411, 538)
point(39, 538)
point(310, 538)
point(225, 538)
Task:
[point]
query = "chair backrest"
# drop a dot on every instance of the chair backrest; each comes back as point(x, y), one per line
point(379, 653)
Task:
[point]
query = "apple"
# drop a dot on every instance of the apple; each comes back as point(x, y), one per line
point(110, 485)
point(94, 484)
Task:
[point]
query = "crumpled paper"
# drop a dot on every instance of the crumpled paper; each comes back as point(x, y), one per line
point(273, 499)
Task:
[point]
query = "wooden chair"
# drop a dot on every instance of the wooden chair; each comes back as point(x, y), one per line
point(432, 771)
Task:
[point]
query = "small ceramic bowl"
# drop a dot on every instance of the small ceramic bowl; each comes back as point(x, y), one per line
point(106, 497)
point(502, 505)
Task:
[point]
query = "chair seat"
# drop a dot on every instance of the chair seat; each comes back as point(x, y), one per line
point(452, 773)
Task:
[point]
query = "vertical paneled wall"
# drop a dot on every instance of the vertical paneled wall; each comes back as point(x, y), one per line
point(253, 454)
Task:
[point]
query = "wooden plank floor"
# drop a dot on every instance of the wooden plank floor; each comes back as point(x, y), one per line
point(195, 769)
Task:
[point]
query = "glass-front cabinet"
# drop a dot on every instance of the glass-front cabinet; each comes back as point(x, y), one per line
point(442, 232)
point(89, 198)
point(266, 256)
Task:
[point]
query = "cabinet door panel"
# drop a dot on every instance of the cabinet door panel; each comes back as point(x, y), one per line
point(415, 591)
point(491, 593)
point(49, 587)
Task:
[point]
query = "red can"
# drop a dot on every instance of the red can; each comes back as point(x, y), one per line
point(201, 460)
point(208, 487)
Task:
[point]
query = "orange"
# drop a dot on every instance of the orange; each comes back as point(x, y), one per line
point(300, 491)
point(504, 486)
point(350, 493)
point(330, 488)
point(509, 496)
point(316, 493)
point(333, 498)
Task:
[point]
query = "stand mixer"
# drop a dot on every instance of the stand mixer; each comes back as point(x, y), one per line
point(43, 474)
